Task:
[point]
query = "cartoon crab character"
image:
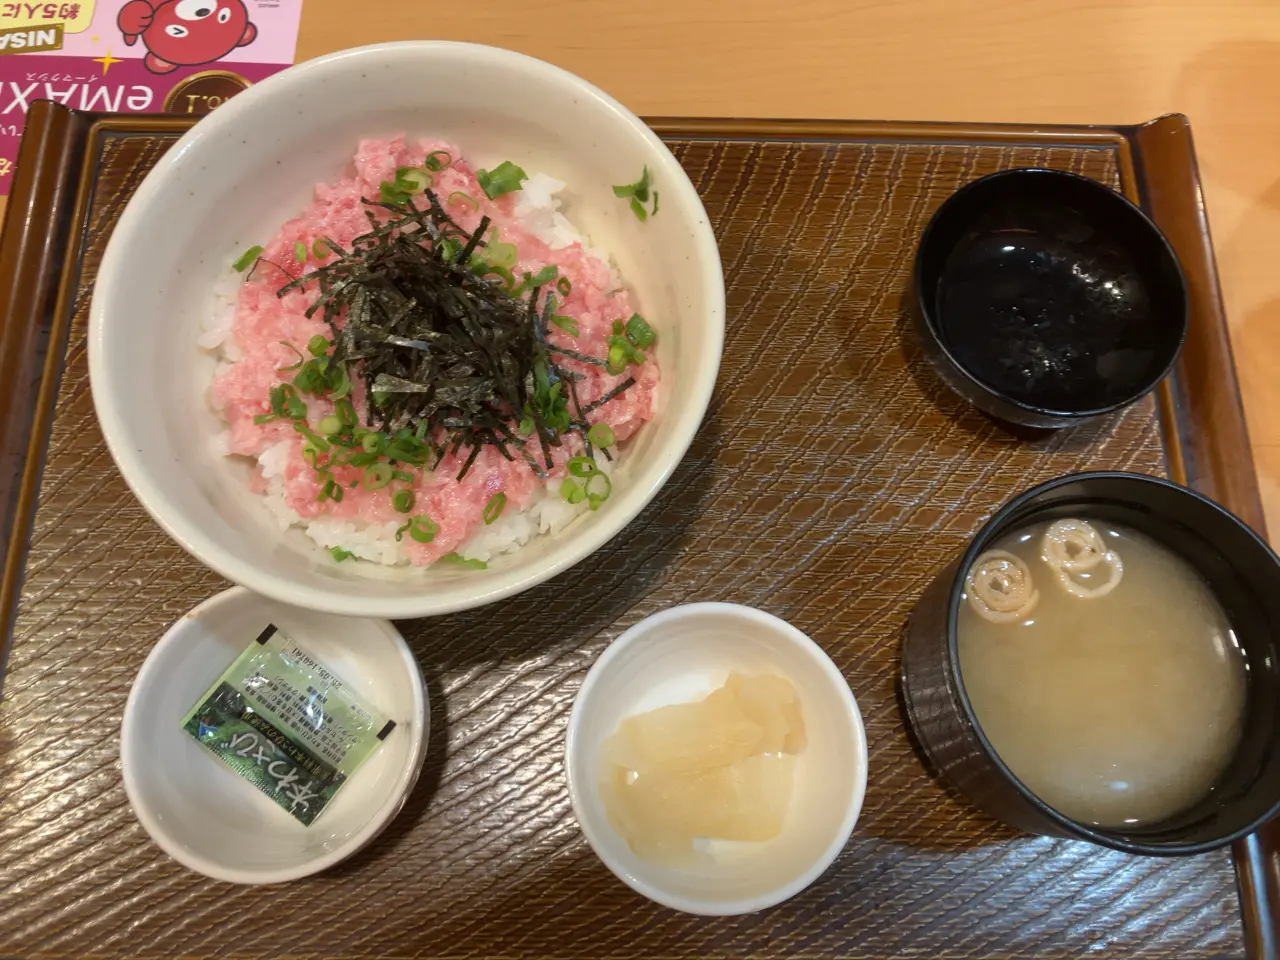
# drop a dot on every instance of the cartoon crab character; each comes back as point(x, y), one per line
point(183, 33)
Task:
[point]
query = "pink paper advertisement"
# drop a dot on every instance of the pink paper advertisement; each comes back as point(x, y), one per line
point(135, 56)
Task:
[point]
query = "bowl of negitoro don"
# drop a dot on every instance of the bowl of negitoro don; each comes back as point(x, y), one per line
point(254, 164)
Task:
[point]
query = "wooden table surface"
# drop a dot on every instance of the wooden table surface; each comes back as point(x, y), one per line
point(1038, 61)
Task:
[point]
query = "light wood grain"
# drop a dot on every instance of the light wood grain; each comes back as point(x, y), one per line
point(1046, 61)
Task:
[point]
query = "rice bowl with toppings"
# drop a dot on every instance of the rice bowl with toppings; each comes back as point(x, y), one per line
point(430, 362)
point(232, 181)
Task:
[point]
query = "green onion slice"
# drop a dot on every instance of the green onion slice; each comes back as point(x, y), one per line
point(373, 442)
point(582, 467)
point(638, 209)
point(604, 487)
point(317, 346)
point(464, 198)
point(246, 259)
point(320, 248)
point(377, 476)
point(339, 554)
point(299, 251)
point(402, 500)
point(500, 254)
point(616, 362)
point(412, 180)
point(346, 412)
point(570, 492)
point(564, 287)
point(654, 211)
point(567, 324)
point(435, 164)
point(639, 332)
point(422, 528)
point(493, 509)
point(502, 179)
point(297, 353)
point(544, 276)
point(601, 434)
point(330, 425)
point(464, 562)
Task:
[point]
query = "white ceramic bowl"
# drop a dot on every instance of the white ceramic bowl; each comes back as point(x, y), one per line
point(201, 812)
point(683, 654)
point(251, 165)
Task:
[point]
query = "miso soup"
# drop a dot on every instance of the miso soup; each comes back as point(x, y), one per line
point(1102, 670)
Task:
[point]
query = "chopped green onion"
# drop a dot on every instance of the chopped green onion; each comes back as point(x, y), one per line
point(564, 287)
point(320, 443)
point(459, 197)
point(544, 276)
point(246, 259)
point(595, 499)
point(582, 467)
point(504, 178)
point(508, 280)
point(526, 427)
point(346, 412)
point(276, 395)
point(654, 211)
point(434, 165)
point(500, 254)
point(464, 562)
point(412, 180)
point(616, 362)
point(401, 475)
point(320, 248)
point(373, 442)
point(400, 531)
point(493, 509)
point(265, 418)
point(377, 476)
point(299, 251)
point(294, 408)
point(639, 189)
point(639, 332)
point(402, 500)
point(294, 366)
point(318, 346)
point(638, 194)
point(601, 434)
point(362, 459)
point(390, 193)
point(567, 324)
point(330, 425)
point(331, 490)
point(423, 529)
point(570, 492)
point(617, 328)
point(339, 554)
point(341, 383)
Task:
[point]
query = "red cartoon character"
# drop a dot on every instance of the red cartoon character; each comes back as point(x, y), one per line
point(182, 33)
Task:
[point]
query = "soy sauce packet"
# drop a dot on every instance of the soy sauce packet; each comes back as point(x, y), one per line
point(285, 723)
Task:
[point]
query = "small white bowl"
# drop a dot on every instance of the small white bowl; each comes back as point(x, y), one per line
point(252, 164)
point(683, 654)
point(199, 810)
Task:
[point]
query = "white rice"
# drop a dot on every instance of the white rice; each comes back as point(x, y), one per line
point(538, 208)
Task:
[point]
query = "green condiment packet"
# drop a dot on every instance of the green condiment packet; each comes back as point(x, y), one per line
point(287, 724)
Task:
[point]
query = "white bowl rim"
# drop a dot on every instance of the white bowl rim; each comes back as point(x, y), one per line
point(386, 812)
point(128, 235)
point(786, 891)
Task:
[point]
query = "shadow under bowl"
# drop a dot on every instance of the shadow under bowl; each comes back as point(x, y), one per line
point(1045, 298)
point(1243, 574)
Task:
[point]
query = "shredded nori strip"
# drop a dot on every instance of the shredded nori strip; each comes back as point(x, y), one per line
point(444, 349)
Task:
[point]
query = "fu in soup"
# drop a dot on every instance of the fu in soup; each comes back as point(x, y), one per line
point(1102, 670)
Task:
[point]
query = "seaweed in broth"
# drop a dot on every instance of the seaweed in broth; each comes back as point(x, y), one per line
point(1102, 670)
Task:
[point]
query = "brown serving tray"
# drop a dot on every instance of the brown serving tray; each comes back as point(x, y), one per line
point(833, 476)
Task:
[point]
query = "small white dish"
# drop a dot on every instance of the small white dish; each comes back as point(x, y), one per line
point(683, 654)
point(201, 812)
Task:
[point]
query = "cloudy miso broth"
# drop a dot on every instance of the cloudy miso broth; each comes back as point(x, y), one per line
point(1102, 670)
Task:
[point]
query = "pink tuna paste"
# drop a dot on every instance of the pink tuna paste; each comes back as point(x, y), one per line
point(264, 322)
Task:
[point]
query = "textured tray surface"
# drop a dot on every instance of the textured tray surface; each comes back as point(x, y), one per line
point(832, 478)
